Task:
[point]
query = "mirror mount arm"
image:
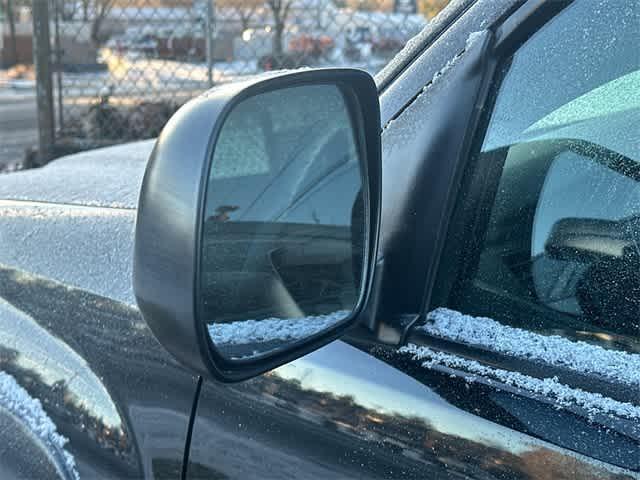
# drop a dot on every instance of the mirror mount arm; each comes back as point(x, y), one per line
point(370, 315)
point(379, 327)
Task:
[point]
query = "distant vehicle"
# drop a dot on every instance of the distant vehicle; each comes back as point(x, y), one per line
point(144, 45)
point(312, 46)
point(364, 43)
point(315, 274)
point(303, 50)
point(388, 41)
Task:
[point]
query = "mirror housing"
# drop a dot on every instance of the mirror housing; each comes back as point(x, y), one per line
point(171, 206)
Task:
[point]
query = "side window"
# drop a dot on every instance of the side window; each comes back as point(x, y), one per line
point(558, 244)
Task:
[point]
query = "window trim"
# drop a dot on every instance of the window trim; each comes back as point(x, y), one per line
point(478, 183)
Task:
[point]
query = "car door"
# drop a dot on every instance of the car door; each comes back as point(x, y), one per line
point(376, 406)
point(535, 308)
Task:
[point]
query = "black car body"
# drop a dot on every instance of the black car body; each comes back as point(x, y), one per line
point(72, 337)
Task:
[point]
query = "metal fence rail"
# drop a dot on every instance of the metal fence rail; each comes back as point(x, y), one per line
point(120, 68)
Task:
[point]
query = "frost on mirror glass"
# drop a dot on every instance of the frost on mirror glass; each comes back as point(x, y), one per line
point(283, 237)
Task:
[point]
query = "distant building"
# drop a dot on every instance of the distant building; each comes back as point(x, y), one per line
point(23, 39)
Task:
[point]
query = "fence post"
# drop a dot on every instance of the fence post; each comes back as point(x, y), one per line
point(58, 62)
point(209, 41)
point(44, 85)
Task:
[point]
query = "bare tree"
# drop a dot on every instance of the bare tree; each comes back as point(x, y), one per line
point(246, 13)
point(85, 9)
point(246, 9)
point(280, 11)
point(13, 43)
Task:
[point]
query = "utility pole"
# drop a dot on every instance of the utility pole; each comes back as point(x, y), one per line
point(209, 41)
point(44, 85)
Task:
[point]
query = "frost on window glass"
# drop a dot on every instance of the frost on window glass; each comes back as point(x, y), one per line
point(548, 73)
point(560, 250)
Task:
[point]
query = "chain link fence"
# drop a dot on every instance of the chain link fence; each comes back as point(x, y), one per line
point(121, 68)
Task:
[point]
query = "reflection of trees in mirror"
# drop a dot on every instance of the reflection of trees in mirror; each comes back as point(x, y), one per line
point(222, 213)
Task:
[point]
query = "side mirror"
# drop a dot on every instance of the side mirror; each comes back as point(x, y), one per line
point(258, 220)
point(586, 240)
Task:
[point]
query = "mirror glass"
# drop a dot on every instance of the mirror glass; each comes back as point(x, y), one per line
point(284, 235)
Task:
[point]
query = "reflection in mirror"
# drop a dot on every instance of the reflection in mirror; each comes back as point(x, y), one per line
point(284, 232)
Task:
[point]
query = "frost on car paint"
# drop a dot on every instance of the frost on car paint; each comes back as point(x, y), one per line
point(105, 177)
point(472, 39)
point(554, 350)
point(415, 44)
point(41, 237)
point(29, 411)
point(562, 395)
point(47, 225)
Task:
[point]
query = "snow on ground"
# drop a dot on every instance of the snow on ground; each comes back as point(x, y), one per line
point(29, 410)
point(9, 91)
point(550, 388)
point(554, 350)
point(259, 331)
point(18, 78)
point(17, 83)
point(151, 77)
point(154, 79)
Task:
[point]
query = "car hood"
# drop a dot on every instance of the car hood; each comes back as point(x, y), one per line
point(73, 220)
point(106, 177)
